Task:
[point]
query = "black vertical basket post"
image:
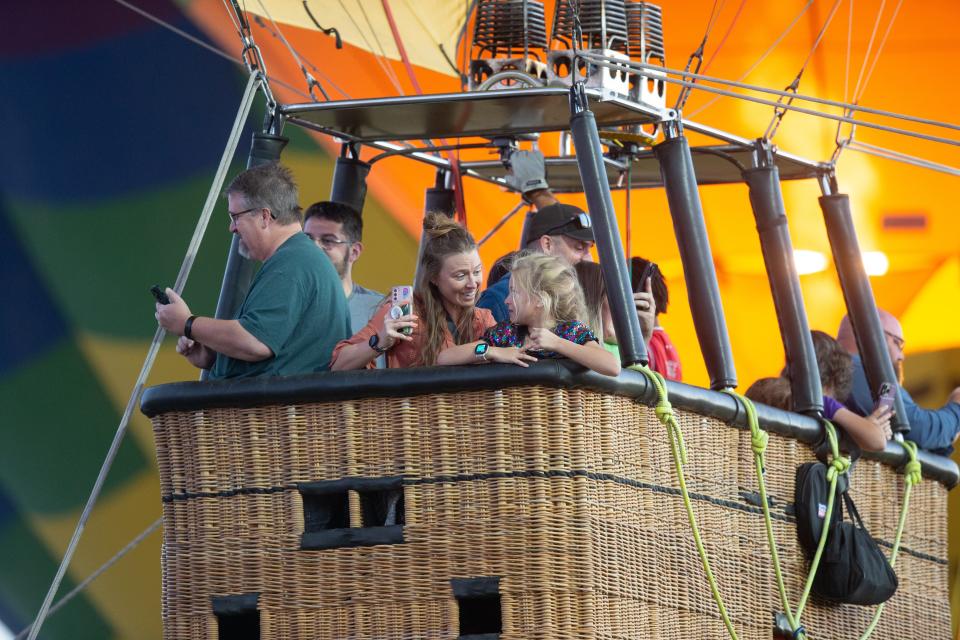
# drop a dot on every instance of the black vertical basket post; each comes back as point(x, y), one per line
point(766, 199)
point(861, 305)
point(613, 263)
point(703, 290)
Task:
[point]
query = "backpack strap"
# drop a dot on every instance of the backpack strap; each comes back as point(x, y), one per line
point(852, 510)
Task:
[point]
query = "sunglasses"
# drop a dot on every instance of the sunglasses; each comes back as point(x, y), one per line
point(581, 221)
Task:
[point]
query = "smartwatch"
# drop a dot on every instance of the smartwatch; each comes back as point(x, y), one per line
point(374, 343)
point(480, 351)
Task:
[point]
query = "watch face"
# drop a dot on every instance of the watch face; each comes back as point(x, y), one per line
point(374, 341)
point(480, 349)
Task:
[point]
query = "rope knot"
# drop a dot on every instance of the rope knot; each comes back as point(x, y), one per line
point(758, 440)
point(913, 472)
point(664, 410)
point(838, 466)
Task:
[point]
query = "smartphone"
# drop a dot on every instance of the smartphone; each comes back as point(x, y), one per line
point(159, 294)
point(401, 294)
point(648, 271)
point(885, 399)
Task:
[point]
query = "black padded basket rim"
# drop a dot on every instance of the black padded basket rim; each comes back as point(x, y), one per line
point(562, 374)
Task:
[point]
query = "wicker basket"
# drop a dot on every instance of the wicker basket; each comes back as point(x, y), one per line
point(529, 512)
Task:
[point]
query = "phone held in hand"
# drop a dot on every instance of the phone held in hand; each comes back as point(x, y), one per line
point(401, 294)
point(885, 399)
point(648, 271)
point(159, 294)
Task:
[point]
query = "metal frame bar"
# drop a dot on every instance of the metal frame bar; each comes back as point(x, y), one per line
point(613, 263)
point(298, 112)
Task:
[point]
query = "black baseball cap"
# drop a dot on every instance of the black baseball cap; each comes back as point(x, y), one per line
point(560, 220)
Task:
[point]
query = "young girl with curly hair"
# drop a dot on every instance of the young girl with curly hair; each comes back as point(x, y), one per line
point(546, 311)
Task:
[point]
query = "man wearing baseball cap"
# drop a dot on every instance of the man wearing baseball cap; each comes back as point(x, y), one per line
point(557, 229)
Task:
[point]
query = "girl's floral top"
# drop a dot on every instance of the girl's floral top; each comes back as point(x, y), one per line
point(508, 334)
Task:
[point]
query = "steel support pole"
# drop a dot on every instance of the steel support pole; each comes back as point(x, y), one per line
point(858, 295)
point(613, 263)
point(703, 291)
point(766, 199)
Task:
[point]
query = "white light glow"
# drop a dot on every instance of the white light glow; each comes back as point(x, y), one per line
point(808, 262)
point(875, 263)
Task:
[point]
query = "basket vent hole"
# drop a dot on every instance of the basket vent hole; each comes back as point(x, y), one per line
point(382, 508)
point(479, 608)
point(326, 511)
point(238, 617)
point(239, 626)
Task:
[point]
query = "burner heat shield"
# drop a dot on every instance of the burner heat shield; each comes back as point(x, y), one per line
point(509, 38)
point(645, 37)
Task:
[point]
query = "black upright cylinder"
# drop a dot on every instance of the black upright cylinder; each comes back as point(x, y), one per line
point(613, 263)
point(703, 292)
point(861, 306)
point(440, 200)
point(350, 182)
point(766, 199)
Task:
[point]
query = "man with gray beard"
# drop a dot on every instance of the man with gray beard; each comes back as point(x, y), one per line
point(932, 429)
point(295, 311)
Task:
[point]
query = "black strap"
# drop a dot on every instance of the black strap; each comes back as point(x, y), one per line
point(452, 328)
point(852, 510)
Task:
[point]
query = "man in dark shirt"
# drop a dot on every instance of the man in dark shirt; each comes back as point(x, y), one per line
point(932, 429)
point(295, 311)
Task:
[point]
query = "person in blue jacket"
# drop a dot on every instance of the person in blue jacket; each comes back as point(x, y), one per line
point(932, 429)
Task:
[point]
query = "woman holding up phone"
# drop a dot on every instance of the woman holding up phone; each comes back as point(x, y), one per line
point(444, 306)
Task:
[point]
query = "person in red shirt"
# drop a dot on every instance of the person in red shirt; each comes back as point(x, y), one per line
point(664, 358)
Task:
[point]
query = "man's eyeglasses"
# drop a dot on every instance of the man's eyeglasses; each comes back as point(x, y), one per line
point(897, 340)
point(329, 242)
point(234, 216)
point(582, 221)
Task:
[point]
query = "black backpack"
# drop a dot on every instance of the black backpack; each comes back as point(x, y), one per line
point(852, 568)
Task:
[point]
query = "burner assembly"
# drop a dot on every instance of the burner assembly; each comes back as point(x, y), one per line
point(511, 50)
point(509, 41)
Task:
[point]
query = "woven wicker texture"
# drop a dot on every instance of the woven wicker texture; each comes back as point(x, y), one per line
point(569, 496)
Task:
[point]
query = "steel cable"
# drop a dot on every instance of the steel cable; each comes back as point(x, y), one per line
point(253, 84)
point(639, 66)
point(83, 584)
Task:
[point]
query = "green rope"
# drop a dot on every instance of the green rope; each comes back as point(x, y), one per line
point(759, 438)
point(912, 474)
point(758, 443)
point(837, 467)
point(664, 412)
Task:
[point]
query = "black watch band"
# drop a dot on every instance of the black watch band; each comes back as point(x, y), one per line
point(374, 343)
point(188, 328)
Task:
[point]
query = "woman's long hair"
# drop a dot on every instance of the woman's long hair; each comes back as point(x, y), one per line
point(594, 295)
point(443, 237)
point(551, 281)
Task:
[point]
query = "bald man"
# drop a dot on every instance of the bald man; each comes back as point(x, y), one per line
point(932, 429)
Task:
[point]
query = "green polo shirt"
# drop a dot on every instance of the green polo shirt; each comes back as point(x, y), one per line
point(297, 308)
